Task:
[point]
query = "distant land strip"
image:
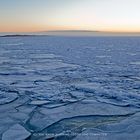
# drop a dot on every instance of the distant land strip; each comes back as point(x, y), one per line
point(16, 35)
point(71, 33)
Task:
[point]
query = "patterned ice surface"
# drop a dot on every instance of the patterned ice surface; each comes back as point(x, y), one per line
point(16, 132)
point(6, 97)
point(69, 88)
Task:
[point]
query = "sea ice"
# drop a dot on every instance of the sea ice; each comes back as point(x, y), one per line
point(6, 97)
point(16, 132)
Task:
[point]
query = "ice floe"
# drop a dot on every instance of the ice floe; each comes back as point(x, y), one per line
point(66, 85)
point(6, 97)
point(16, 132)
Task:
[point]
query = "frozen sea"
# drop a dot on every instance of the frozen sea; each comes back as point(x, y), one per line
point(69, 88)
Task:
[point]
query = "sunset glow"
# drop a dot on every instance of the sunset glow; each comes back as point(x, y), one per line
point(44, 15)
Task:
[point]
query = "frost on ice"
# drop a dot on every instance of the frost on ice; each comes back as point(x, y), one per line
point(70, 88)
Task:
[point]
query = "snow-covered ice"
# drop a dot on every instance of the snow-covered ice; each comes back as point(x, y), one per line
point(69, 88)
point(6, 97)
point(16, 132)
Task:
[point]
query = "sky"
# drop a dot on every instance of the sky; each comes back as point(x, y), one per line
point(45, 15)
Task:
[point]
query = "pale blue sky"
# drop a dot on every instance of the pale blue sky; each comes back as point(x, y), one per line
point(39, 15)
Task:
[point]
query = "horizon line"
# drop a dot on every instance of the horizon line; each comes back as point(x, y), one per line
point(72, 30)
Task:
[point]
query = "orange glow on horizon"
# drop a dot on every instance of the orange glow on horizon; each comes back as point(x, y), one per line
point(90, 15)
point(39, 28)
